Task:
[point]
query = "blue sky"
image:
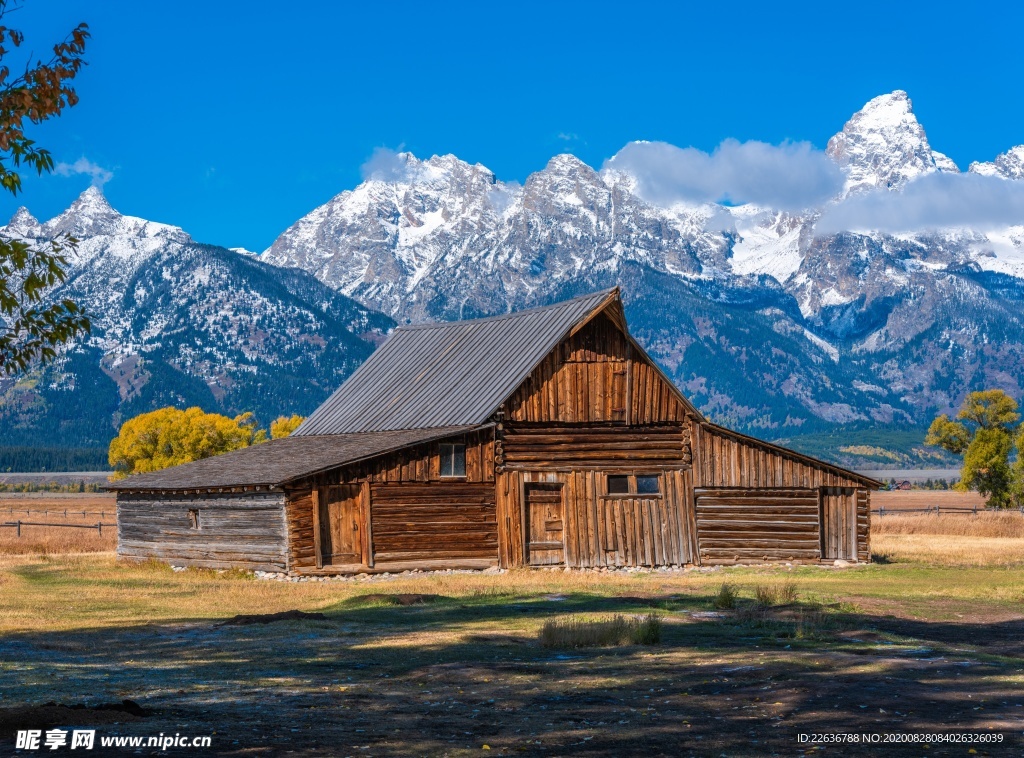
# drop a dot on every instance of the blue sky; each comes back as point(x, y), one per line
point(233, 119)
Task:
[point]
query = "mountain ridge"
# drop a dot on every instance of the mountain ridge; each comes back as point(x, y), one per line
point(768, 324)
point(886, 311)
point(178, 322)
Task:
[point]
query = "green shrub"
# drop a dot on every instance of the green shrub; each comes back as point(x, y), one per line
point(779, 593)
point(726, 597)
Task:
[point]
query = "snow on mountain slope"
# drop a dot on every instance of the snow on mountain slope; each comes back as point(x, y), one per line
point(883, 146)
point(765, 323)
point(1009, 165)
point(176, 322)
point(427, 241)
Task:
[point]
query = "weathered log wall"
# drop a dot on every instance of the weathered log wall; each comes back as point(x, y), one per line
point(596, 406)
point(435, 521)
point(595, 376)
point(602, 529)
point(416, 515)
point(571, 447)
point(756, 501)
point(728, 459)
point(301, 542)
point(235, 530)
point(744, 526)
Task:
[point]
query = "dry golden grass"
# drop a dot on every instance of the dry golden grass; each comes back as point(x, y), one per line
point(52, 593)
point(776, 593)
point(43, 540)
point(893, 501)
point(87, 502)
point(1008, 524)
point(948, 550)
point(990, 538)
point(575, 632)
point(57, 540)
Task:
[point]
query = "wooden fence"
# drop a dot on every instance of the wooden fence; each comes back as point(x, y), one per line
point(98, 526)
point(938, 510)
point(65, 512)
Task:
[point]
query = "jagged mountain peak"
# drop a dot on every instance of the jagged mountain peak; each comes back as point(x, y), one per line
point(883, 146)
point(89, 215)
point(893, 109)
point(1009, 165)
point(24, 224)
point(92, 216)
point(452, 163)
point(567, 163)
point(404, 169)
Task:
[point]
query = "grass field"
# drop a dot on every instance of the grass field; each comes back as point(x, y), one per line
point(83, 510)
point(926, 639)
point(915, 499)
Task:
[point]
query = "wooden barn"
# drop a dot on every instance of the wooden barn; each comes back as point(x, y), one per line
point(546, 437)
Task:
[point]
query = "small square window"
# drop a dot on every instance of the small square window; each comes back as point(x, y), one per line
point(453, 459)
point(648, 485)
point(193, 518)
point(618, 485)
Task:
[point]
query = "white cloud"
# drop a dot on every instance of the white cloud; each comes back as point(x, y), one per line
point(387, 165)
point(931, 202)
point(100, 175)
point(791, 176)
point(501, 196)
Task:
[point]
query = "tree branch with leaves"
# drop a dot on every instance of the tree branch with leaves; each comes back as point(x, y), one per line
point(31, 328)
point(984, 433)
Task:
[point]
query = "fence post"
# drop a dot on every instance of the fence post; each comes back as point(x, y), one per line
point(19, 527)
point(99, 527)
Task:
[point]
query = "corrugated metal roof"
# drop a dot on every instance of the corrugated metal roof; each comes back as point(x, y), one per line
point(436, 375)
point(277, 462)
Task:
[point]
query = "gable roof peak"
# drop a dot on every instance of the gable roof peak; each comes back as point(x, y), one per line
point(450, 374)
point(609, 294)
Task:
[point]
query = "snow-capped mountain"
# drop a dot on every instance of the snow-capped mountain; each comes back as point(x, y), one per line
point(1009, 165)
point(177, 322)
point(883, 146)
point(766, 321)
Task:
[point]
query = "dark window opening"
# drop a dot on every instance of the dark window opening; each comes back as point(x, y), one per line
point(622, 484)
point(618, 485)
point(453, 460)
point(193, 518)
point(648, 485)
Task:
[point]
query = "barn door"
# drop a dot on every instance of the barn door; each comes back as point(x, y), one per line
point(545, 524)
point(341, 539)
point(839, 523)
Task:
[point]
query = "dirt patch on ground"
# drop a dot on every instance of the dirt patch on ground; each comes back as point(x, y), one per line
point(51, 715)
point(269, 618)
point(897, 650)
point(405, 598)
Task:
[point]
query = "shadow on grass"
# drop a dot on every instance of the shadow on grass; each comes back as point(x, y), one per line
point(453, 674)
